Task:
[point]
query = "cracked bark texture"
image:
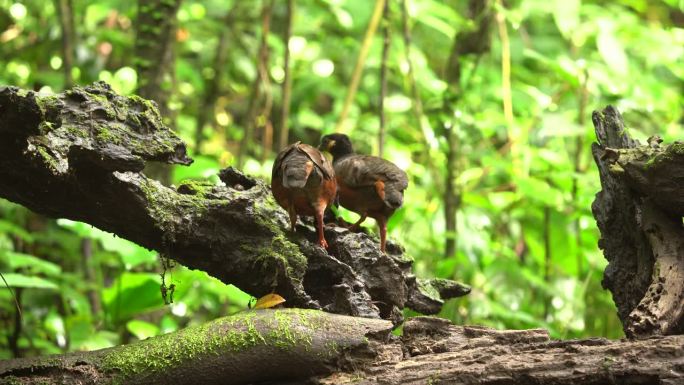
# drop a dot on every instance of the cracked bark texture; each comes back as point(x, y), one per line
point(293, 346)
point(80, 155)
point(639, 212)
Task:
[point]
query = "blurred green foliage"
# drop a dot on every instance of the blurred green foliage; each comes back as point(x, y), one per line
point(526, 240)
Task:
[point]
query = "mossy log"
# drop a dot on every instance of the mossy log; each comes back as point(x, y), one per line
point(253, 346)
point(639, 212)
point(81, 155)
point(292, 346)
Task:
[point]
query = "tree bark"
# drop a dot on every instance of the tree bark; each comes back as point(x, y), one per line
point(65, 10)
point(639, 212)
point(212, 86)
point(154, 50)
point(79, 155)
point(304, 346)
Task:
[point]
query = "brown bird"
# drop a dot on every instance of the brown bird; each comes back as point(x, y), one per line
point(303, 183)
point(368, 185)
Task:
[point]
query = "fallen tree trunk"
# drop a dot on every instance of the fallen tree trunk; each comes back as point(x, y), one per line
point(80, 155)
point(305, 346)
point(639, 212)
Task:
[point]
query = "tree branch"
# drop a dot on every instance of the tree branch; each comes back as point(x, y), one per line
point(79, 155)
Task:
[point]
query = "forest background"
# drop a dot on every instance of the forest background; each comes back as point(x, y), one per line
point(501, 176)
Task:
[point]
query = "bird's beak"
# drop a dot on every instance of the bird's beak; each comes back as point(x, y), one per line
point(327, 145)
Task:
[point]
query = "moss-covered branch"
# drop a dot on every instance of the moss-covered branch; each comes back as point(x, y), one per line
point(80, 155)
point(250, 347)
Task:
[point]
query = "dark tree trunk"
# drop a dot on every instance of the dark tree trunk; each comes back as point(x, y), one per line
point(65, 10)
point(155, 60)
point(639, 212)
point(283, 135)
point(212, 86)
point(473, 44)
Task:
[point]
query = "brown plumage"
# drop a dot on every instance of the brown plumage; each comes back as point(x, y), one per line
point(368, 185)
point(303, 183)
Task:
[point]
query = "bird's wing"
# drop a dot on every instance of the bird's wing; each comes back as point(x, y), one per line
point(318, 159)
point(365, 170)
point(278, 164)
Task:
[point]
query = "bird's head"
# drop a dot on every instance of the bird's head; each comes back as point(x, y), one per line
point(338, 145)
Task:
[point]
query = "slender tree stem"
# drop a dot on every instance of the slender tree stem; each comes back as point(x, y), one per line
point(383, 78)
point(582, 98)
point(212, 86)
point(66, 19)
point(547, 254)
point(260, 82)
point(287, 83)
point(16, 332)
point(264, 117)
point(89, 276)
point(361, 60)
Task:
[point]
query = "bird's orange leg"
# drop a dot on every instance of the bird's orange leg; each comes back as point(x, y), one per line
point(382, 223)
point(319, 225)
point(293, 217)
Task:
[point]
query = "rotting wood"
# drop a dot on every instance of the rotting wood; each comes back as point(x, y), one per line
point(639, 212)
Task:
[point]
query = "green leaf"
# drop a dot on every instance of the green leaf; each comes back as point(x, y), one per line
point(131, 254)
point(31, 263)
point(201, 168)
point(566, 15)
point(397, 103)
point(611, 48)
point(12, 228)
point(132, 294)
point(100, 340)
point(141, 329)
point(29, 282)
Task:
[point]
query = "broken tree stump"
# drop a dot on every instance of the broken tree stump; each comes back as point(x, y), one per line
point(639, 212)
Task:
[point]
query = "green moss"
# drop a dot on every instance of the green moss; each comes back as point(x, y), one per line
point(106, 135)
point(281, 248)
point(195, 188)
point(676, 148)
point(48, 159)
point(49, 106)
point(284, 334)
point(287, 328)
point(75, 131)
